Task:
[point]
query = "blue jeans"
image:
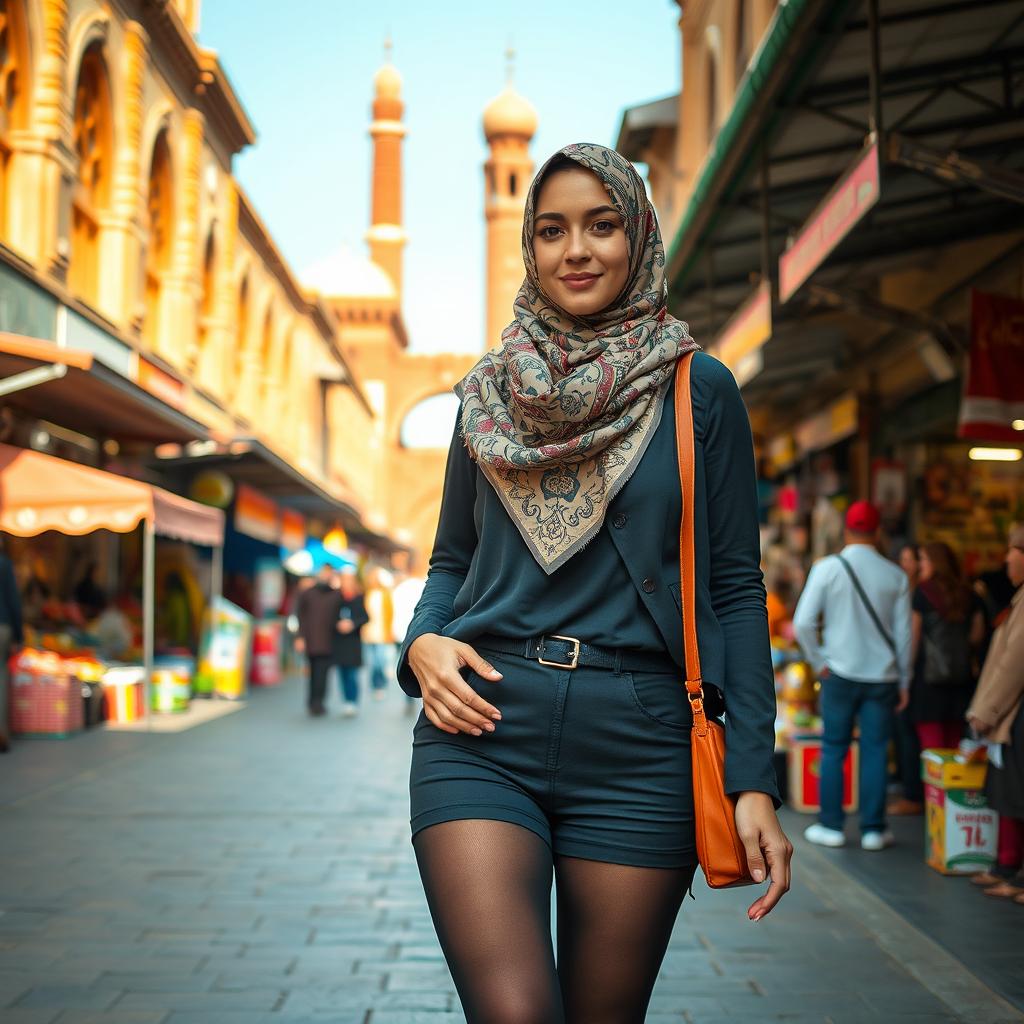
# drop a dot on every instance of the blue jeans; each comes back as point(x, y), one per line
point(349, 679)
point(843, 702)
point(378, 658)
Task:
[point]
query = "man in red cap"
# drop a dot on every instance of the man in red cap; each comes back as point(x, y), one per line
point(861, 601)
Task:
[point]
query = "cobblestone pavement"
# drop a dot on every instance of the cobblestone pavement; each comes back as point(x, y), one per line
point(258, 869)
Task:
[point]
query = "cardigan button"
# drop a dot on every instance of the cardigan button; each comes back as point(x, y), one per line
point(649, 586)
point(619, 520)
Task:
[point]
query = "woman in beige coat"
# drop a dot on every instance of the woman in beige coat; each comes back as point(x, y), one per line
point(995, 714)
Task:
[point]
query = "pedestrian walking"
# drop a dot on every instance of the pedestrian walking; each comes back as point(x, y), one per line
point(996, 715)
point(904, 731)
point(317, 610)
point(863, 658)
point(947, 625)
point(11, 637)
point(404, 599)
point(547, 647)
point(378, 634)
point(347, 645)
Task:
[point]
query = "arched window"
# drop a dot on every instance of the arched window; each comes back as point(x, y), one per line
point(429, 424)
point(160, 211)
point(94, 144)
point(13, 89)
point(742, 54)
point(207, 299)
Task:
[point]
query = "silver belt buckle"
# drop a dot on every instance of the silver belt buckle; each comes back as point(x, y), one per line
point(561, 664)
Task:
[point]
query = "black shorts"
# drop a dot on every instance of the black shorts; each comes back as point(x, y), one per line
point(597, 763)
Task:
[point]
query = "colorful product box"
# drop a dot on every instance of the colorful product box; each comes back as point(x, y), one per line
point(804, 774)
point(961, 829)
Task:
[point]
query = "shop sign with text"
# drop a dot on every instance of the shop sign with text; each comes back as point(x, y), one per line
point(848, 201)
point(740, 341)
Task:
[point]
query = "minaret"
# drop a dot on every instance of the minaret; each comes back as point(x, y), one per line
point(386, 237)
point(509, 124)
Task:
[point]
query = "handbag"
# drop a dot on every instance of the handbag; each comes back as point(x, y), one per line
point(720, 851)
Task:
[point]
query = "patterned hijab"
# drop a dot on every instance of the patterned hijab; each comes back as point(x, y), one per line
point(561, 415)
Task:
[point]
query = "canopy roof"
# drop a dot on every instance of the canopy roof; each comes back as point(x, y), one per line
point(39, 492)
point(89, 397)
point(952, 168)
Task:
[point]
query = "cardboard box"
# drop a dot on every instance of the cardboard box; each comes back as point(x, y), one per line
point(961, 829)
point(803, 782)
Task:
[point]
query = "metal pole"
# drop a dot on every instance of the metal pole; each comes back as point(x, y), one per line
point(875, 75)
point(217, 573)
point(766, 223)
point(148, 612)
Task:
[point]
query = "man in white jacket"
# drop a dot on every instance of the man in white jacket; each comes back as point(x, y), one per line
point(861, 601)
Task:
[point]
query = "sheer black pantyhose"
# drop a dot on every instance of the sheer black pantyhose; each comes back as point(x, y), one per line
point(488, 886)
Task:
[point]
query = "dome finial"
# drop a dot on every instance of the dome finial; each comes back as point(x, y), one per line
point(388, 47)
point(510, 63)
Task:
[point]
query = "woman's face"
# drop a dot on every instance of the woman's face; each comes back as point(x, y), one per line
point(579, 243)
point(908, 562)
point(1015, 565)
point(926, 568)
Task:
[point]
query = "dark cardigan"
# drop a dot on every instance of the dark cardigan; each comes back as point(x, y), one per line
point(478, 549)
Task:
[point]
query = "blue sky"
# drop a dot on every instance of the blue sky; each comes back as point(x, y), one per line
point(304, 73)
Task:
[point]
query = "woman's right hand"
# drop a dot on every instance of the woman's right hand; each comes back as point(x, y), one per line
point(448, 700)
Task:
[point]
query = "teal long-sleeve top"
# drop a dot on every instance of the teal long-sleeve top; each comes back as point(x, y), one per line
point(623, 588)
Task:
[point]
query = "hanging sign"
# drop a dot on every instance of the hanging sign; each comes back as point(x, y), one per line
point(740, 341)
point(293, 530)
point(993, 395)
point(847, 202)
point(256, 516)
point(836, 423)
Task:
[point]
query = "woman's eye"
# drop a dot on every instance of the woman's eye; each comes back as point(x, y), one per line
point(604, 226)
point(549, 231)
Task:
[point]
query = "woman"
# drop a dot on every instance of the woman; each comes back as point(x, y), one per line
point(348, 645)
point(908, 747)
point(947, 624)
point(547, 644)
point(995, 715)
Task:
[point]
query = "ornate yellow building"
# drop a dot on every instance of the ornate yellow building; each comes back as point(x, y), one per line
point(124, 233)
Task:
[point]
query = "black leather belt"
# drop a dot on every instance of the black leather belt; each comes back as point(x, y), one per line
point(568, 652)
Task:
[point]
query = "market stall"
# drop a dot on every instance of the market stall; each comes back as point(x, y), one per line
point(40, 493)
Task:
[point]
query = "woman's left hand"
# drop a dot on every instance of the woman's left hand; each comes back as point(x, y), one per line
point(768, 850)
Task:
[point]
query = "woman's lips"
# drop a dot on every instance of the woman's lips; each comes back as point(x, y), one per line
point(579, 284)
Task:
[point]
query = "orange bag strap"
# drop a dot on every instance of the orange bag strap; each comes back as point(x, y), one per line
point(687, 575)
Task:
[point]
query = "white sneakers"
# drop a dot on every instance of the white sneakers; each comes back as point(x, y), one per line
point(876, 840)
point(349, 710)
point(822, 836)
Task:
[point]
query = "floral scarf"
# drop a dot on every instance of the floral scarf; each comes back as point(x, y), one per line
point(561, 415)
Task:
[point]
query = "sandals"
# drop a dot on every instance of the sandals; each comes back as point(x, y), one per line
point(1005, 891)
point(986, 879)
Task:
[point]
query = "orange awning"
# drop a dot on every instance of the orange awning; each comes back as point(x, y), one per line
point(39, 492)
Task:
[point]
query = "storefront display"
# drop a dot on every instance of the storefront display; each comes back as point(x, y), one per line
point(224, 651)
point(267, 652)
point(124, 699)
point(45, 695)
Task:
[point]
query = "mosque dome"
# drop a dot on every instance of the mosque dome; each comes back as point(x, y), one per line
point(509, 114)
point(347, 273)
point(387, 82)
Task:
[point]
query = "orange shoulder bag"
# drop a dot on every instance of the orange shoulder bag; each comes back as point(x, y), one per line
point(721, 854)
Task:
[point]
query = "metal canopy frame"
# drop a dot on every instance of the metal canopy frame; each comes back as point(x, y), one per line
point(850, 67)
